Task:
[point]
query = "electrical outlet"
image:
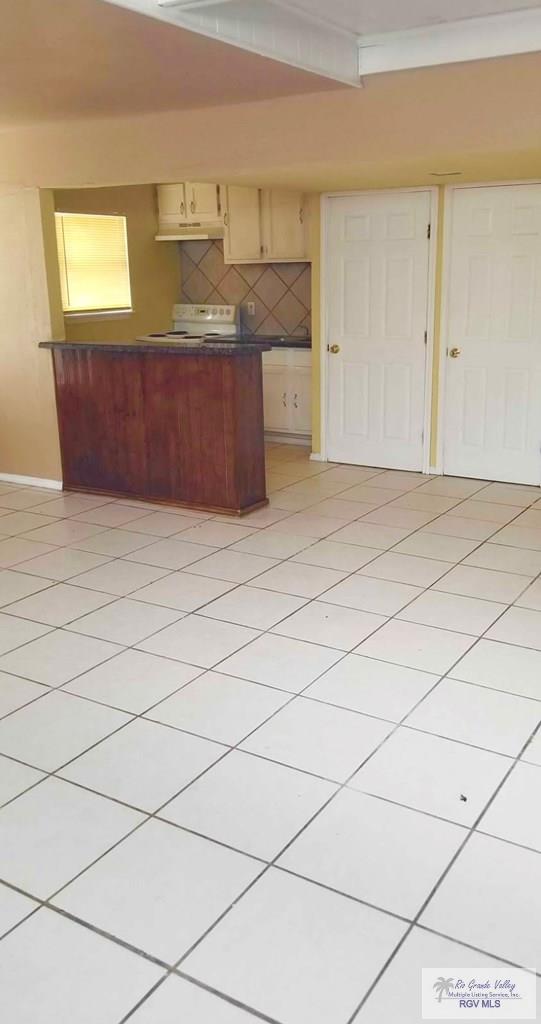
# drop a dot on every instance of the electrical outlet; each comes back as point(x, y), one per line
point(250, 308)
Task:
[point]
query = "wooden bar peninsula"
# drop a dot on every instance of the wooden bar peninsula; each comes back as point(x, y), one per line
point(166, 422)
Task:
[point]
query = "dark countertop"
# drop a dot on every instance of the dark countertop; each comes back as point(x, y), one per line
point(276, 340)
point(209, 348)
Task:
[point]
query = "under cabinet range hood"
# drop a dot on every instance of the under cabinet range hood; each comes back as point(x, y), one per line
point(189, 210)
point(189, 232)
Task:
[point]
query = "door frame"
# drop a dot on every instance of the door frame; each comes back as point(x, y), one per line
point(325, 206)
point(448, 197)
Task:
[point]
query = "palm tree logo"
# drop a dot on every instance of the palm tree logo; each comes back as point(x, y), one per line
point(443, 987)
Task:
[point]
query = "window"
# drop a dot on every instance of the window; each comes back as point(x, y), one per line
point(93, 259)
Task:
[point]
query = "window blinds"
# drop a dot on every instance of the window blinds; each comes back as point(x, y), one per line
point(93, 258)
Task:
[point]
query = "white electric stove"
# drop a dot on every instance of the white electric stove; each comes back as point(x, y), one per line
point(192, 325)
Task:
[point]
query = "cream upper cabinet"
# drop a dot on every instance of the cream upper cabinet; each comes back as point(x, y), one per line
point(172, 204)
point(282, 219)
point(242, 221)
point(188, 202)
point(202, 201)
point(260, 225)
point(263, 225)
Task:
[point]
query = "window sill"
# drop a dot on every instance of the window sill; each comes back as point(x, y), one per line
point(110, 314)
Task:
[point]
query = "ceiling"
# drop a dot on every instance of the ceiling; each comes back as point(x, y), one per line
point(72, 59)
point(375, 16)
point(353, 37)
point(69, 59)
point(94, 94)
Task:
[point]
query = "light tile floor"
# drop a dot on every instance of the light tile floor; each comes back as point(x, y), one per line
point(268, 769)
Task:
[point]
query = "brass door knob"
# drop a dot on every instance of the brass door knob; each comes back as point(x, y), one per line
point(454, 353)
point(334, 349)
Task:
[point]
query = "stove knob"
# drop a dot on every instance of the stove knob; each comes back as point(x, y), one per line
point(214, 311)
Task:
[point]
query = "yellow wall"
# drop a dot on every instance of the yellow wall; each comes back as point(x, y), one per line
point(154, 266)
point(52, 272)
point(32, 310)
point(313, 203)
point(28, 431)
point(438, 283)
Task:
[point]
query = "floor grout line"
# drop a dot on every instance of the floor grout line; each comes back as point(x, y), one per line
point(472, 831)
point(292, 697)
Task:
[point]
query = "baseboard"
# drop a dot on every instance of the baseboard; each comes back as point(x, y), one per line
point(277, 438)
point(317, 457)
point(31, 481)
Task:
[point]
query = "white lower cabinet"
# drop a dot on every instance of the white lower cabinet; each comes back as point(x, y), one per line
point(287, 391)
point(301, 415)
point(275, 398)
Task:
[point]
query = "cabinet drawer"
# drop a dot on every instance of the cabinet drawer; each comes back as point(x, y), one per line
point(287, 357)
point(276, 357)
point(300, 356)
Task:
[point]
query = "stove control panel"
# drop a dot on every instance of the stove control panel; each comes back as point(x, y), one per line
point(193, 314)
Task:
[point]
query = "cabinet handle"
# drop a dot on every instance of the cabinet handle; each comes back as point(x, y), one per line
point(192, 206)
point(301, 215)
point(182, 208)
point(295, 403)
point(284, 403)
point(226, 219)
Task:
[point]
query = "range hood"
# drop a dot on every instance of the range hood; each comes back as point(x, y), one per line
point(189, 232)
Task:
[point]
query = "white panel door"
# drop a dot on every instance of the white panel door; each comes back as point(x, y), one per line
point(492, 414)
point(377, 297)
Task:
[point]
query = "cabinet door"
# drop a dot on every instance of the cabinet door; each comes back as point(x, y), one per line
point(172, 204)
point(283, 227)
point(300, 398)
point(242, 239)
point(276, 400)
point(202, 201)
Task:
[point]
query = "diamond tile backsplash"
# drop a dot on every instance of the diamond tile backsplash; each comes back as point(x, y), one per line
point(280, 291)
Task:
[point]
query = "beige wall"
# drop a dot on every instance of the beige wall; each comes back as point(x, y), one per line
point(28, 430)
point(483, 118)
point(154, 266)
